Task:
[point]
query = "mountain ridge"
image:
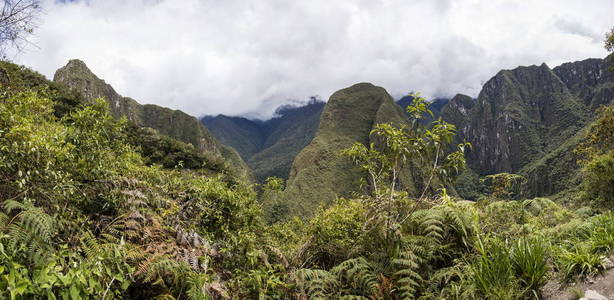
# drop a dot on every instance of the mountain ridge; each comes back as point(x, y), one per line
point(174, 123)
point(269, 146)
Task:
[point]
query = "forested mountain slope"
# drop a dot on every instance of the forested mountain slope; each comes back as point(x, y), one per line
point(529, 119)
point(174, 123)
point(319, 172)
point(526, 121)
point(270, 146)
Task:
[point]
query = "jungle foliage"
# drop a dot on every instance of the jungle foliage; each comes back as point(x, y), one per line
point(92, 207)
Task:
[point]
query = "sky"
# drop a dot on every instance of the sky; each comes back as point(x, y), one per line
point(238, 57)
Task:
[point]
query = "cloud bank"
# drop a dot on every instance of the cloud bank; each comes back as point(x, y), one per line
point(247, 57)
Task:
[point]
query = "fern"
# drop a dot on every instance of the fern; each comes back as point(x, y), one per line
point(408, 278)
point(30, 227)
point(316, 284)
point(197, 287)
point(357, 277)
point(161, 270)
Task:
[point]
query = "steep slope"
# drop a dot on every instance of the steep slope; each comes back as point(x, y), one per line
point(174, 123)
point(590, 80)
point(529, 119)
point(319, 173)
point(270, 146)
point(244, 135)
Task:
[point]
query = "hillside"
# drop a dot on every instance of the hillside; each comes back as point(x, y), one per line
point(174, 123)
point(319, 173)
point(270, 146)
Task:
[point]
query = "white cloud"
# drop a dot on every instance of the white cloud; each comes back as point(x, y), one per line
point(246, 57)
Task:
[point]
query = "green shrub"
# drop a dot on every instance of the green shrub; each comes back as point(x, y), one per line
point(580, 261)
point(493, 272)
point(336, 233)
point(602, 238)
point(506, 217)
point(529, 259)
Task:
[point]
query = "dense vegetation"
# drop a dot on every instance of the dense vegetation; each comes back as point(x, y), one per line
point(269, 147)
point(87, 212)
point(96, 207)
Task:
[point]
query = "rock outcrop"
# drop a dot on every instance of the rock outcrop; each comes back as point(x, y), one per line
point(528, 121)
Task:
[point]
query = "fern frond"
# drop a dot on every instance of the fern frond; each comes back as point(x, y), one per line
point(408, 278)
point(30, 227)
point(358, 276)
point(316, 284)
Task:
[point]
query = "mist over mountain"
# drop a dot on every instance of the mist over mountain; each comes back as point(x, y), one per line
point(269, 147)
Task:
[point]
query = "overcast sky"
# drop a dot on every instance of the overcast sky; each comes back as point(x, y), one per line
point(247, 57)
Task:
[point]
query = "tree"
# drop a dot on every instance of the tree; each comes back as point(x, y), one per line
point(18, 19)
point(609, 40)
point(425, 147)
point(596, 155)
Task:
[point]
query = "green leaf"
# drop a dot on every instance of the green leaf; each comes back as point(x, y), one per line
point(74, 293)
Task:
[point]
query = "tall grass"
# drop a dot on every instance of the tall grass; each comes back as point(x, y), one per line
point(530, 262)
point(602, 238)
point(504, 271)
point(579, 261)
point(493, 274)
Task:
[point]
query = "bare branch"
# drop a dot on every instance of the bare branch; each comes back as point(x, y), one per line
point(18, 19)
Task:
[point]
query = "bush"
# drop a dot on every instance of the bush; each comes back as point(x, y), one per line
point(599, 180)
point(529, 259)
point(493, 272)
point(580, 261)
point(336, 233)
point(602, 238)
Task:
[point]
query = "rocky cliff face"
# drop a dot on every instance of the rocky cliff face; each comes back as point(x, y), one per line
point(319, 173)
point(174, 123)
point(529, 119)
point(520, 115)
point(589, 80)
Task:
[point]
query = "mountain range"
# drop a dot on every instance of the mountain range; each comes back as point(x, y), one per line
point(526, 121)
point(269, 147)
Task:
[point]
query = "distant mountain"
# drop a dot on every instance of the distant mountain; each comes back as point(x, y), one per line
point(174, 123)
point(270, 146)
point(436, 106)
point(527, 121)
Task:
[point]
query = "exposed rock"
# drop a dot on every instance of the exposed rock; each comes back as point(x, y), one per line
point(528, 121)
point(589, 79)
point(593, 295)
